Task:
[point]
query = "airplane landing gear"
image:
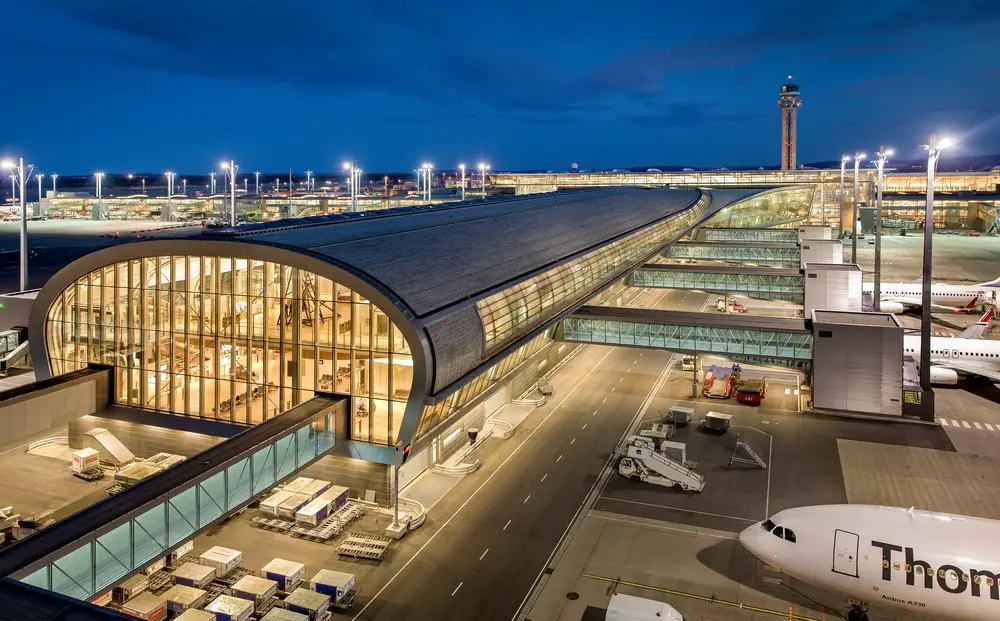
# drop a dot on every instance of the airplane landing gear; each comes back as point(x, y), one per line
point(857, 612)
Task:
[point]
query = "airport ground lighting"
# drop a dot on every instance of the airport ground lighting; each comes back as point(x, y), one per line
point(170, 183)
point(256, 184)
point(462, 168)
point(843, 169)
point(53, 175)
point(20, 175)
point(212, 176)
point(858, 156)
point(99, 176)
point(880, 159)
point(231, 169)
point(39, 176)
point(934, 148)
point(483, 167)
point(427, 167)
point(353, 175)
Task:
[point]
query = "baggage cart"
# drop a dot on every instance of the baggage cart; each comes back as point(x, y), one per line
point(717, 422)
point(679, 415)
point(86, 460)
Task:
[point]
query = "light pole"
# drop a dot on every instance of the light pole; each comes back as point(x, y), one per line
point(840, 212)
point(309, 175)
point(462, 168)
point(17, 172)
point(39, 176)
point(99, 176)
point(170, 183)
point(231, 169)
point(143, 180)
point(256, 182)
point(245, 180)
point(428, 181)
point(420, 172)
point(934, 148)
point(385, 185)
point(354, 175)
point(184, 186)
point(54, 175)
point(854, 212)
point(212, 175)
point(880, 158)
point(482, 170)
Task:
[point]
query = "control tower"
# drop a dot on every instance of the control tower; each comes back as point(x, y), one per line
point(789, 102)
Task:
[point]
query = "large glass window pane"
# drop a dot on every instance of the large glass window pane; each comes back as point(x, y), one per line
point(284, 448)
point(182, 514)
point(113, 556)
point(73, 573)
point(263, 469)
point(150, 534)
point(39, 579)
point(306, 445)
point(239, 483)
point(211, 498)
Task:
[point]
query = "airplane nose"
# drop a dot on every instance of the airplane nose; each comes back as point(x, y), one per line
point(748, 538)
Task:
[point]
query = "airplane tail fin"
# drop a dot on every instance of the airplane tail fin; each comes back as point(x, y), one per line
point(992, 284)
point(978, 329)
point(971, 305)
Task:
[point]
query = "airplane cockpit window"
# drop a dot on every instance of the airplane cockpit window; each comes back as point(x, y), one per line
point(768, 525)
point(789, 535)
point(778, 532)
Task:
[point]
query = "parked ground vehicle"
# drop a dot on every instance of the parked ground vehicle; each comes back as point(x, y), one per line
point(720, 381)
point(717, 422)
point(751, 391)
point(973, 233)
point(734, 306)
point(687, 363)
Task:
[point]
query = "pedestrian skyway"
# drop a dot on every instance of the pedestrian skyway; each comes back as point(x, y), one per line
point(763, 340)
point(762, 283)
point(774, 254)
point(94, 549)
point(771, 236)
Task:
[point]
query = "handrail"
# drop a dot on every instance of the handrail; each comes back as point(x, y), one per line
point(51, 440)
point(507, 429)
point(530, 402)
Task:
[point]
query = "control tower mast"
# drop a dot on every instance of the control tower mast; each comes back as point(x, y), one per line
point(789, 102)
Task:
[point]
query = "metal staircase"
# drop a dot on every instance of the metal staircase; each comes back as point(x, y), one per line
point(746, 452)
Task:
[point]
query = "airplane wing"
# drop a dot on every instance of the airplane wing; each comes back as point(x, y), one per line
point(978, 329)
point(970, 368)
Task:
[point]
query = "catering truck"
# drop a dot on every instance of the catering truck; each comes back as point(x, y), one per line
point(631, 608)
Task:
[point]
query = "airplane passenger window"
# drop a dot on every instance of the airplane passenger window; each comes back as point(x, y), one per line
point(778, 532)
point(789, 535)
point(768, 525)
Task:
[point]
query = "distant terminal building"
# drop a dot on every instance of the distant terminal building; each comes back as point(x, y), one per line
point(789, 102)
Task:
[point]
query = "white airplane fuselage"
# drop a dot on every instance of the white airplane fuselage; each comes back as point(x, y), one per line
point(931, 563)
point(968, 356)
point(942, 295)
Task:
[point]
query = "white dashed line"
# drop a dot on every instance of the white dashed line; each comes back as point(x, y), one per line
point(635, 361)
point(605, 400)
point(989, 426)
point(572, 441)
point(955, 423)
point(506, 525)
point(629, 370)
point(613, 389)
point(978, 426)
point(621, 378)
point(457, 588)
point(558, 458)
point(595, 413)
point(526, 500)
point(966, 424)
point(944, 422)
point(584, 426)
point(544, 476)
point(484, 554)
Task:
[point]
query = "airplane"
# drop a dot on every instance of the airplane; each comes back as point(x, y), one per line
point(920, 561)
point(896, 297)
point(963, 354)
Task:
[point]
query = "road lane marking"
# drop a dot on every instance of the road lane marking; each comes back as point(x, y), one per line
point(629, 370)
point(978, 426)
point(613, 389)
point(584, 426)
point(955, 423)
point(506, 525)
point(944, 422)
point(966, 424)
point(572, 441)
point(481, 486)
point(526, 500)
point(595, 413)
point(605, 400)
point(484, 554)
point(989, 426)
point(457, 588)
point(621, 378)
point(544, 476)
point(635, 361)
point(558, 458)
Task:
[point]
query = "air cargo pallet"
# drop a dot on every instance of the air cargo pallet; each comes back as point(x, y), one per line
point(273, 524)
point(359, 545)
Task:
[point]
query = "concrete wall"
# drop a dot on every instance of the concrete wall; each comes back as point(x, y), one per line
point(858, 368)
point(814, 231)
point(821, 251)
point(143, 439)
point(832, 287)
point(27, 411)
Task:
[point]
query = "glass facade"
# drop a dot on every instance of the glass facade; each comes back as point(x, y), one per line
point(106, 558)
point(232, 339)
point(760, 286)
point(510, 313)
point(780, 256)
point(768, 209)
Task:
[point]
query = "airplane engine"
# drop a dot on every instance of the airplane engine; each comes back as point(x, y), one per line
point(943, 377)
point(891, 307)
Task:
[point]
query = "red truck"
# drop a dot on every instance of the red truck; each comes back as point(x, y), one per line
point(720, 381)
point(751, 391)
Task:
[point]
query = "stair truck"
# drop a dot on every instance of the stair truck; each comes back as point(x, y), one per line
point(631, 608)
point(660, 463)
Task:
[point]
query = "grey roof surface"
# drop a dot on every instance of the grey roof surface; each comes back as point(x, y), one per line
point(850, 318)
point(437, 257)
point(707, 320)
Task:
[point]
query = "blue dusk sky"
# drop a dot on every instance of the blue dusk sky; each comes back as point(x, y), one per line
point(147, 86)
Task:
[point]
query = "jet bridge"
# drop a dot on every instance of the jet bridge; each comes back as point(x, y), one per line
point(761, 340)
point(767, 236)
point(773, 254)
point(762, 283)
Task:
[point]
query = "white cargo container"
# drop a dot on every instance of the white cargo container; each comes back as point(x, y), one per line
point(292, 504)
point(288, 574)
point(180, 598)
point(146, 606)
point(85, 460)
point(337, 494)
point(309, 603)
point(630, 608)
point(228, 608)
point(257, 590)
point(137, 471)
point(336, 584)
point(270, 504)
point(314, 488)
point(296, 485)
point(129, 588)
point(194, 575)
point(181, 551)
point(224, 560)
point(195, 615)
point(280, 614)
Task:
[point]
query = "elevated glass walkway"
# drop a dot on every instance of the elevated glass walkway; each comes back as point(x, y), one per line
point(748, 235)
point(761, 340)
point(775, 254)
point(762, 283)
point(94, 549)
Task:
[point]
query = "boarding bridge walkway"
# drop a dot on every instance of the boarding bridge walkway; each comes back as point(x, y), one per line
point(13, 348)
point(773, 254)
point(762, 283)
point(93, 550)
point(779, 341)
point(767, 236)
